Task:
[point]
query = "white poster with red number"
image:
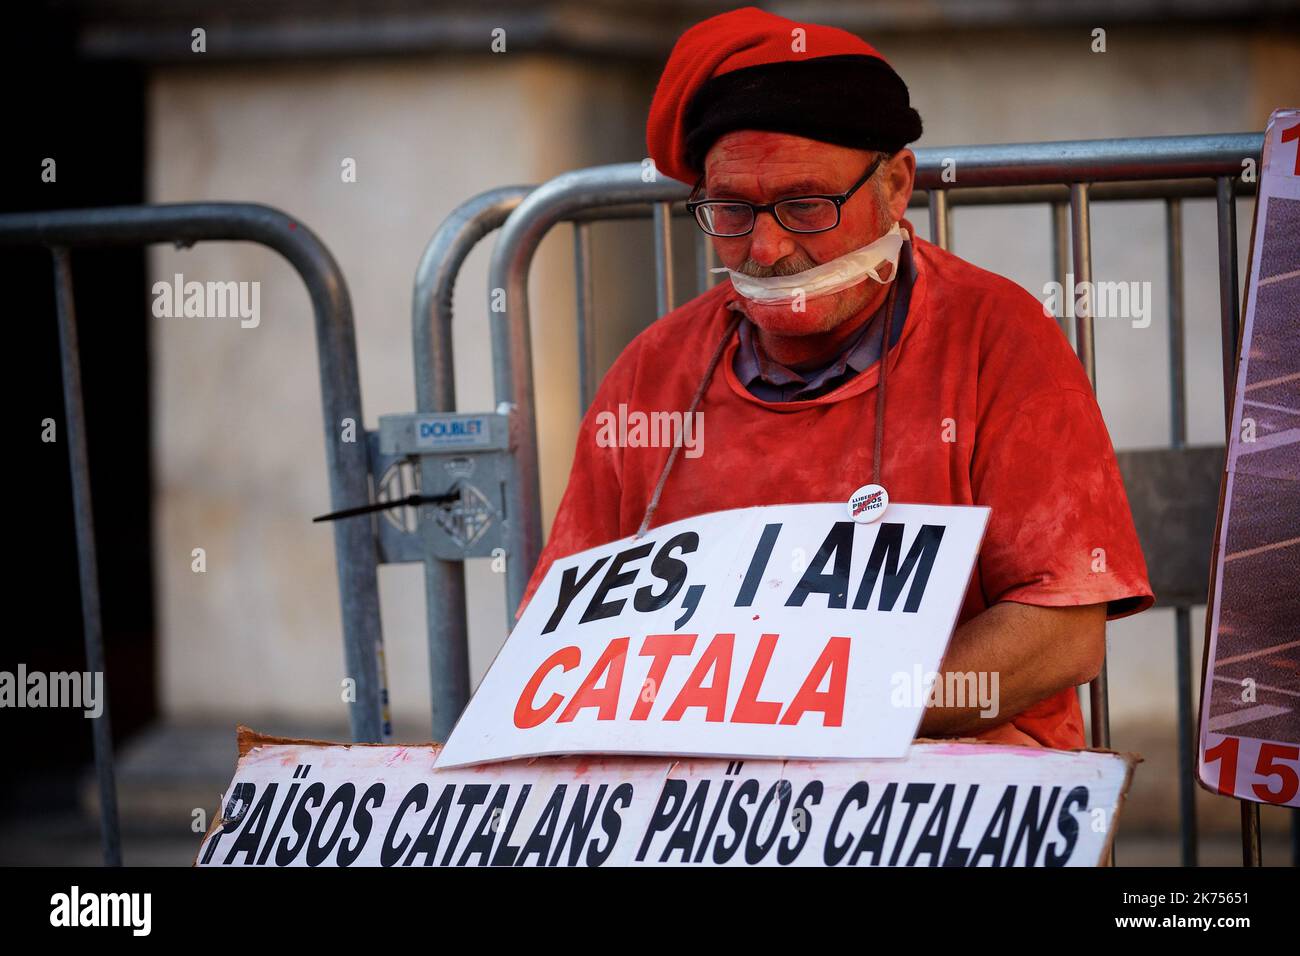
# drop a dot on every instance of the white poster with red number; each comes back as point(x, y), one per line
point(1250, 700)
point(782, 631)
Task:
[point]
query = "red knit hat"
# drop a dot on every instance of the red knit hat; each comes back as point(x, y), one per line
point(749, 69)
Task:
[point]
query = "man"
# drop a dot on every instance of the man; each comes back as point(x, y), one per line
point(794, 136)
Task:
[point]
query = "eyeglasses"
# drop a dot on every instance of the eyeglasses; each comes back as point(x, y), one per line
point(730, 218)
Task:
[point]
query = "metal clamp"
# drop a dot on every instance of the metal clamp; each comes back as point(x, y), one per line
point(445, 452)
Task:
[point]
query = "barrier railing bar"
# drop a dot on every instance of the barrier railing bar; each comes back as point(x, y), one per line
point(939, 220)
point(1085, 346)
point(1061, 261)
point(1060, 272)
point(354, 543)
point(1229, 302)
point(1081, 244)
point(1144, 190)
point(1182, 613)
point(435, 391)
point(1177, 347)
point(585, 286)
point(435, 286)
point(1138, 158)
point(706, 258)
point(663, 257)
point(87, 562)
point(1251, 852)
point(1155, 189)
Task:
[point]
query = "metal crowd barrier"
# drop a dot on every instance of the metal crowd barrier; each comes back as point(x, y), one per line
point(1178, 481)
point(354, 545)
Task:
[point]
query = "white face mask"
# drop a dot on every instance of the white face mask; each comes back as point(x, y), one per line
point(840, 273)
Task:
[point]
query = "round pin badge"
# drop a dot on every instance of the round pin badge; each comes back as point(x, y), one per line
point(868, 503)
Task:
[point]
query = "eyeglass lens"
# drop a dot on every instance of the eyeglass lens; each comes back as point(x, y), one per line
point(797, 215)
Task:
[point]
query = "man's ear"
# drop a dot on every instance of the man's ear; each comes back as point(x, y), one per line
point(899, 174)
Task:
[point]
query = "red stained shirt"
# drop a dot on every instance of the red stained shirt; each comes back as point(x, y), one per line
point(987, 404)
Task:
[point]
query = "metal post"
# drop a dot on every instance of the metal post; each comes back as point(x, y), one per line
point(585, 284)
point(1061, 262)
point(1081, 234)
point(1061, 273)
point(87, 566)
point(940, 222)
point(1099, 713)
point(1085, 346)
point(435, 391)
point(1251, 854)
point(1229, 308)
point(664, 257)
point(1186, 736)
point(706, 258)
point(1182, 613)
point(1177, 350)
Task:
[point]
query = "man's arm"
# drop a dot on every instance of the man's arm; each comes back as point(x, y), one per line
point(1035, 651)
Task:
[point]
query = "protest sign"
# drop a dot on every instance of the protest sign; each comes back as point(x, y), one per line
point(761, 632)
point(1250, 698)
point(296, 803)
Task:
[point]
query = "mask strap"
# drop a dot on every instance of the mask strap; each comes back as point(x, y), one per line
point(699, 394)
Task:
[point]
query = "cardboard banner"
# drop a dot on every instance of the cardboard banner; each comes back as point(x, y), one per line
point(946, 804)
point(785, 631)
point(1250, 698)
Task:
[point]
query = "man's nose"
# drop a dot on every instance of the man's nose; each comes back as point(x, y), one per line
point(769, 242)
